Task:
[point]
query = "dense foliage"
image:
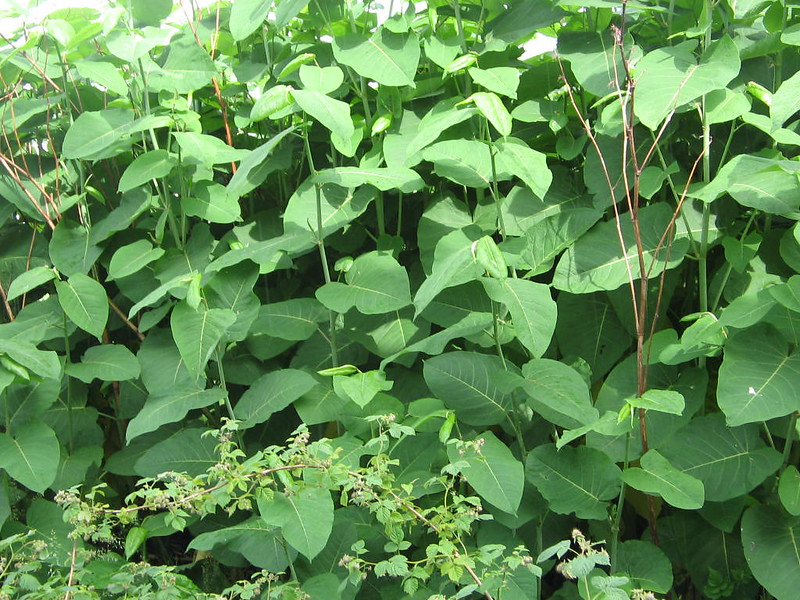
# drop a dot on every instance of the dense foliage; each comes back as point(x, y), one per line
point(301, 302)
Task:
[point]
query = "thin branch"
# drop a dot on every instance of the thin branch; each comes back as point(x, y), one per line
point(125, 320)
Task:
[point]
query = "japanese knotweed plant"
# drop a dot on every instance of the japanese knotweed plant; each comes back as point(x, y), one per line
point(569, 275)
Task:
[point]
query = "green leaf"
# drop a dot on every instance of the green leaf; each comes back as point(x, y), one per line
point(296, 319)
point(171, 406)
point(666, 401)
point(388, 58)
point(465, 162)
point(670, 77)
point(769, 539)
point(442, 116)
point(150, 165)
point(466, 383)
point(211, 202)
point(206, 149)
point(197, 333)
point(453, 264)
point(72, 249)
point(557, 392)
point(376, 283)
point(515, 156)
point(492, 471)
point(333, 114)
point(491, 107)
point(43, 363)
point(132, 258)
point(658, 477)
point(361, 388)
point(107, 362)
point(184, 451)
point(98, 134)
point(405, 180)
point(246, 17)
point(305, 518)
point(85, 303)
point(758, 377)
point(646, 564)
point(595, 262)
point(29, 280)
point(730, 461)
point(786, 101)
point(188, 67)
point(723, 105)
point(501, 80)
point(577, 480)
point(324, 80)
point(533, 311)
point(594, 59)
point(30, 455)
point(104, 73)
point(789, 490)
point(272, 102)
point(763, 183)
point(271, 393)
point(250, 173)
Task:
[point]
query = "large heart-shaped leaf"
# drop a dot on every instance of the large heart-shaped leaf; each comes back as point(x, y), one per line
point(305, 518)
point(769, 538)
point(197, 333)
point(271, 393)
point(388, 58)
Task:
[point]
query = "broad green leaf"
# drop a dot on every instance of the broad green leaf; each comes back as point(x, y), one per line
point(763, 183)
point(150, 165)
point(388, 58)
point(758, 377)
point(212, 202)
point(184, 451)
point(730, 461)
point(453, 264)
point(441, 51)
point(515, 156)
point(333, 114)
point(521, 19)
point(533, 310)
point(670, 77)
point(594, 59)
point(233, 289)
point(72, 249)
point(789, 490)
point(646, 564)
point(769, 538)
point(465, 162)
point(557, 392)
point(339, 206)
point(30, 455)
point(246, 17)
point(271, 393)
point(197, 333)
point(177, 282)
point(272, 103)
point(491, 107)
point(132, 258)
point(658, 477)
point(405, 180)
point(259, 543)
point(131, 45)
point(44, 363)
point(324, 80)
point(85, 303)
point(169, 407)
point(596, 262)
point(500, 80)
point(250, 173)
point(361, 388)
point(206, 149)
point(188, 67)
point(466, 383)
point(786, 101)
point(723, 105)
point(577, 480)
point(442, 116)
point(28, 281)
point(288, 10)
point(95, 135)
point(98, 134)
point(492, 471)
point(103, 73)
point(107, 362)
point(666, 401)
point(163, 368)
point(305, 518)
point(296, 319)
point(130, 207)
point(376, 283)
